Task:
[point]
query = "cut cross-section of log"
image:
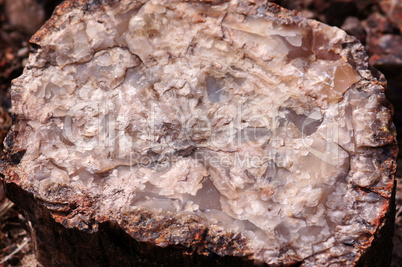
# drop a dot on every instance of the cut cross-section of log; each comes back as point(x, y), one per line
point(200, 132)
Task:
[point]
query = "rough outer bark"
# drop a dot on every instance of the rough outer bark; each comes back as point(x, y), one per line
point(109, 245)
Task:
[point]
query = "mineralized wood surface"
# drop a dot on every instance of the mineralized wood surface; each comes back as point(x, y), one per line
point(200, 133)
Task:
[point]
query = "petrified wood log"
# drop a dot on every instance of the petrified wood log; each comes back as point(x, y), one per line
point(200, 132)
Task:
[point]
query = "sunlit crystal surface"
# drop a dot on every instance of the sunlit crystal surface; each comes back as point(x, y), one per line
point(252, 124)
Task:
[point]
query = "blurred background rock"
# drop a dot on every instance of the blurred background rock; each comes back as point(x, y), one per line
point(377, 24)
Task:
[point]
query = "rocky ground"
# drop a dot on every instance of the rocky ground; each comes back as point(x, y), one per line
point(376, 23)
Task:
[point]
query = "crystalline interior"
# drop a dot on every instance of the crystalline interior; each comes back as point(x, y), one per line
point(250, 124)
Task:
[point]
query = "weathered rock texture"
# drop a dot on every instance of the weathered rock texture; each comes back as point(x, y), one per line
point(169, 132)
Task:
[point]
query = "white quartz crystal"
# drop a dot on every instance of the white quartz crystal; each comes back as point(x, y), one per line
point(250, 123)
